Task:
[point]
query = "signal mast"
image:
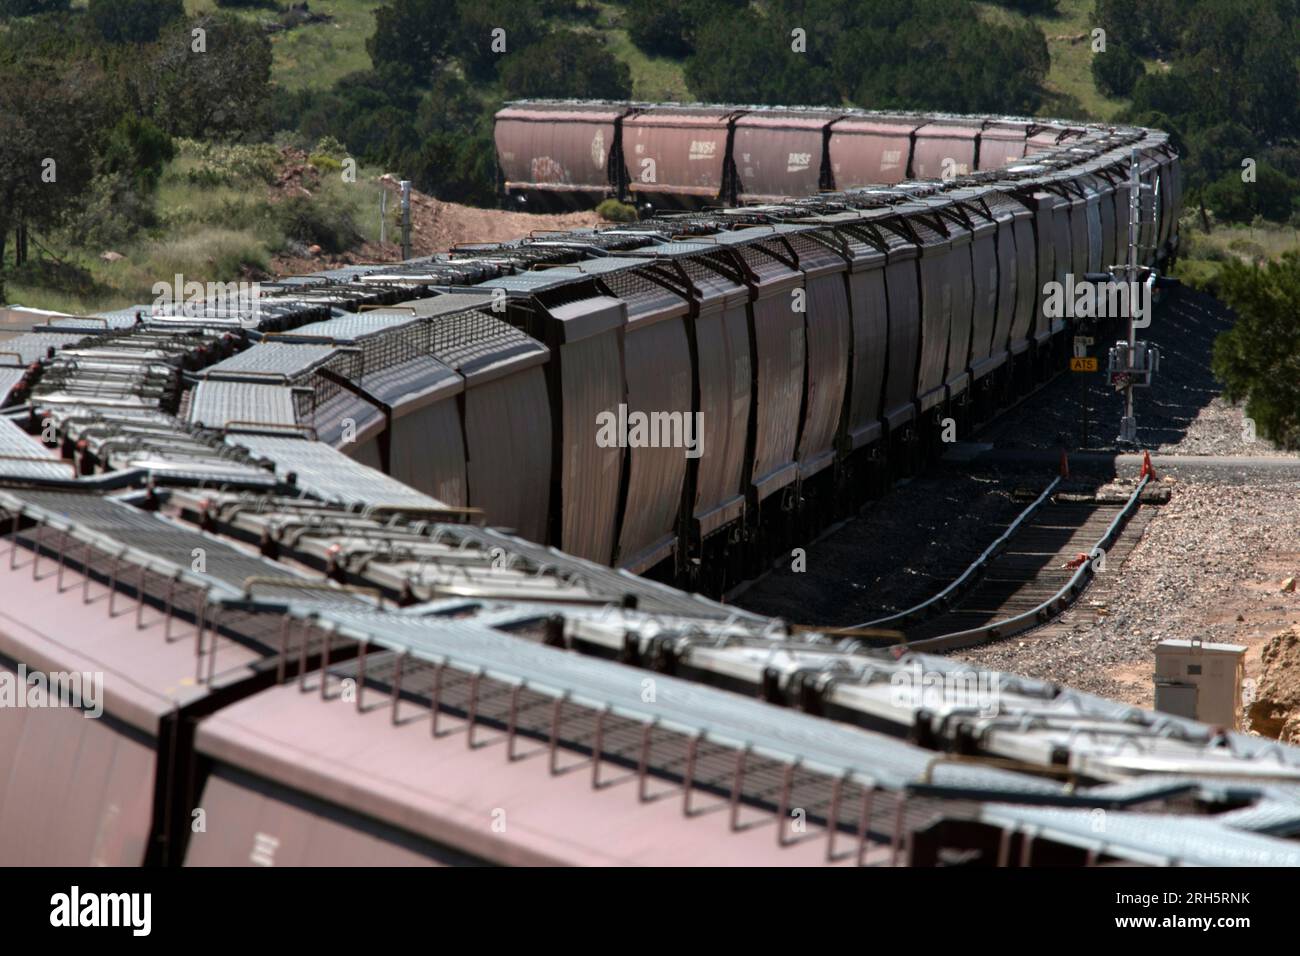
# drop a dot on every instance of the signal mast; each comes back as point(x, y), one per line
point(1131, 363)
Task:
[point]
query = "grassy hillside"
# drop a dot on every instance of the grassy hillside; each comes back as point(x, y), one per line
point(316, 55)
point(1072, 92)
point(653, 77)
point(222, 215)
point(228, 228)
point(1203, 254)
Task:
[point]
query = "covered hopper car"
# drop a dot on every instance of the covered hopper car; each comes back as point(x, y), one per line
point(325, 546)
point(554, 154)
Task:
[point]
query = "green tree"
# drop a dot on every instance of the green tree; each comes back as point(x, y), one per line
point(222, 93)
point(1116, 69)
point(565, 63)
point(1236, 64)
point(370, 112)
point(660, 28)
point(28, 8)
point(1258, 359)
point(1219, 150)
point(748, 58)
point(133, 21)
point(456, 167)
point(1271, 196)
point(450, 106)
point(939, 55)
point(1148, 27)
point(51, 120)
point(413, 33)
point(918, 54)
point(138, 150)
point(477, 32)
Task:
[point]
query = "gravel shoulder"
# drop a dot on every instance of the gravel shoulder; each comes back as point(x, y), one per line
point(1210, 565)
point(900, 550)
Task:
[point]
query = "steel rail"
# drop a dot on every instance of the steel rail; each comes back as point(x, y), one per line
point(1054, 605)
point(942, 601)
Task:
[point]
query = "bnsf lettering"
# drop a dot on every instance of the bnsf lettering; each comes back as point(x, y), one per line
point(703, 149)
point(798, 162)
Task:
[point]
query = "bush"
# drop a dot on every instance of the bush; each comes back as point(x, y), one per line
point(329, 146)
point(1270, 196)
point(111, 213)
point(28, 8)
point(1116, 70)
point(219, 164)
point(325, 162)
point(1248, 248)
point(313, 220)
point(1200, 274)
point(138, 149)
point(1255, 359)
point(616, 211)
point(412, 33)
point(659, 28)
point(523, 25)
point(133, 21)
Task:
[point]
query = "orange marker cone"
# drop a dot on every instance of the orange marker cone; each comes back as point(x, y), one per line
point(1065, 464)
point(1147, 467)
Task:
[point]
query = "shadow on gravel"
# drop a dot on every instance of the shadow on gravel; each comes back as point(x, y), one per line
point(901, 549)
point(918, 537)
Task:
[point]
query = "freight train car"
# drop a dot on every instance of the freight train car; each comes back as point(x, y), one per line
point(314, 727)
point(237, 498)
point(827, 343)
point(567, 154)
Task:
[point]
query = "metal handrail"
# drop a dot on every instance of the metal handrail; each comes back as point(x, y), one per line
point(307, 584)
point(43, 461)
point(269, 427)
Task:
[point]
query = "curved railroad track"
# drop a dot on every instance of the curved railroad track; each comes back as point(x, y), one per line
point(1036, 569)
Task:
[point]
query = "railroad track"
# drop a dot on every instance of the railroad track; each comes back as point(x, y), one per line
point(1033, 572)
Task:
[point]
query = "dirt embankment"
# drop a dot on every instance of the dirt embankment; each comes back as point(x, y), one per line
point(1275, 709)
point(436, 226)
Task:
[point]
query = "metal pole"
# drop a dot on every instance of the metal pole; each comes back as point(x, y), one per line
point(406, 219)
point(1128, 426)
point(1083, 400)
point(383, 217)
